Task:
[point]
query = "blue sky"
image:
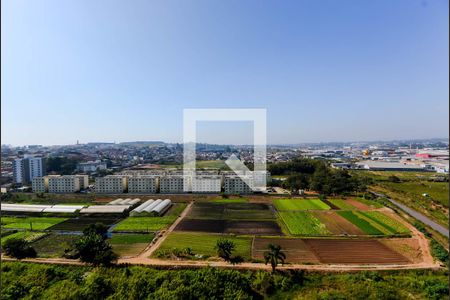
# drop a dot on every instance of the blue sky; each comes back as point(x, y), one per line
point(107, 70)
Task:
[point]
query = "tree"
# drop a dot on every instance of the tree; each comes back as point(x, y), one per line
point(18, 248)
point(297, 182)
point(225, 248)
point(97, 228)
point(274, 256)
point(394, 178)
point(93, 248)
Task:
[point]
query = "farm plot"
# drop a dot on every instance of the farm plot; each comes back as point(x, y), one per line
point(300, 204)
point(230, 226)
point(27, 235)
point(342, 204)
point(364, 204)
point(80, 223)
point(231, 211)
point(303, 223)
point(374, 223)
point(126, 245)
point(144, 224)
point(31, 223)
point(336, 224)
point(53, 245)
point(203, 245)
point(296, 250)
point(354, 252)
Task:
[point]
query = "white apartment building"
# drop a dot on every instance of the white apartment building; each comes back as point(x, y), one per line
point(207, 184)
point(91, 166)
point(111, 184)
point(84, 181)
point(27, 168)
point(144, 184)
point(63, 184)
point(40, 184)
point(235, 185)
point(171, 184)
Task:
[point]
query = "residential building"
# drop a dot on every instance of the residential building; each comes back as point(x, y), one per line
point(92, 166)
point(143, 184)
point(40, 184)
point(63, 184)
point(111, 184)
point(235, 185)
point(172, 184)
point(207, 184)
point(27, 168)
point(84, 181)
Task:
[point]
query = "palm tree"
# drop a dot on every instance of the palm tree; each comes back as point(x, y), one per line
point(274, 256)
point(224, 248)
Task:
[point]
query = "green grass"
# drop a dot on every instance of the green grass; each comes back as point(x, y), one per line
point(342, 204)
point(393, 226)
point(299, 204)
point(53, 245)
point(148, 224)
point(131, 238)
point(27, 235)
point(203, 244)
point(37, 223)
point(438, 191)
point(371, 203)
point(303, 223)
point(360, 222)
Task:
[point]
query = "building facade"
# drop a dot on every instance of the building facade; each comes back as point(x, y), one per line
point(111, 184)
point(171, 184)
point(27, 168)
point(144, 184)
point(63, 184)
point(91, 166)
point(40, 184)
point(235, 185)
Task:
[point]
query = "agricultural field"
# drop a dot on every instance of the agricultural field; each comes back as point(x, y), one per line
point(354, 252)
point(300, 204)
point(296, 250)
point(202, 244)
point(126, 245)
point(342, 204)
point(303, 223)
point(313, 251)
point(53, 245)
point(374, 223)
point(29, 236)
point(80, 223)
point(150, 224)
point(231, 211)
point(230, 200)
point(245, 227)
point(336, 224)
point(30, 223)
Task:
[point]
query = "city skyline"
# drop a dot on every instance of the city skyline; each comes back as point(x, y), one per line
point(325, 72)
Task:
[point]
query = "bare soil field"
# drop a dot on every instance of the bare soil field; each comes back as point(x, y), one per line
point(357, 204)
point(80, 223)
point(354, 252)
point(231, 211)
point(410, 248)
point(296, 250)
point(337, 224)
point(236, 227)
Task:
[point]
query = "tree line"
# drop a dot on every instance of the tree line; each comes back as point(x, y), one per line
point(317, 175)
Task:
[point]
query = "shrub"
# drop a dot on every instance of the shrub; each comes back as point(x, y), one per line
point(18, 248)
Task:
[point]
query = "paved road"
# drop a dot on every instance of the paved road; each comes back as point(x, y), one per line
point(439, 228)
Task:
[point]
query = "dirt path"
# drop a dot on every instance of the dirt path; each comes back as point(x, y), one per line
point(428, 261)
point(148, 251)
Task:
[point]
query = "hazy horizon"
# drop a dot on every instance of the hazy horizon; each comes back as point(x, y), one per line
point(326, 71)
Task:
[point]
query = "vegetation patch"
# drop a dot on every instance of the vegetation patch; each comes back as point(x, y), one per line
point(30, 223)
point(342, 204)
point(29, 236)
point(300, 204)
point(201, 245)
point(54, 245)
point(361, 223)
point(303, 223)
point(393, 226)
point(144, 224)
point(125, 238)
